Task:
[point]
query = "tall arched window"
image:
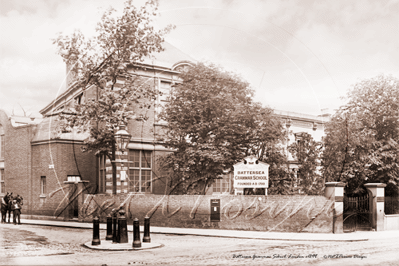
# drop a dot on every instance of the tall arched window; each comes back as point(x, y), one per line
point(102, 173)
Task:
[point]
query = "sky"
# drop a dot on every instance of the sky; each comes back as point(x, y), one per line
point(298, 55)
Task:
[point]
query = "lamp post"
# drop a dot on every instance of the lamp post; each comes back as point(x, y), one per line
point(122, 138)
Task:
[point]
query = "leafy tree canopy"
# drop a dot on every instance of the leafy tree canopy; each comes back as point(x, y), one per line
point(107, 62)
point(308, 153)
point(362, 143)
point(212, 124)
point(281, 178)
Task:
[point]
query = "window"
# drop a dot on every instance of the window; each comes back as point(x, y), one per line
point(222, 185)
point(102, 174)
point(42, 185)
point(2, 138)
point(2, 185)
point(79, 99)
point(2, 147)
point(140, 171)
point(164, 88)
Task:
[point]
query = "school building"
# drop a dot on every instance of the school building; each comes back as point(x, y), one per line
point(38, 160)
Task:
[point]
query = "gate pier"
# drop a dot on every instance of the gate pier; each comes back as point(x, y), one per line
point(335, 192)
point(367, 208)
point(377, 206)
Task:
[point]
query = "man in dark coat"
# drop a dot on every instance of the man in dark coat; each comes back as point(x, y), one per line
point(16, 208)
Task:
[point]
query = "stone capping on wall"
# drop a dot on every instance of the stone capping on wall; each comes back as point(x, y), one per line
point(335, 184)
point(378, 185)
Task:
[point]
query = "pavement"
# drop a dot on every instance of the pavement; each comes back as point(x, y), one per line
point(281, 236)
point(108, 245)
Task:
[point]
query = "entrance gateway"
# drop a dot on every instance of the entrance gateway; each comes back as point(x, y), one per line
point(251, 174)
point(357, 215)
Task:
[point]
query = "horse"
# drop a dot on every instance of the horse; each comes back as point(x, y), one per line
point(4, 203)
point(16, 208)
point(6, 207)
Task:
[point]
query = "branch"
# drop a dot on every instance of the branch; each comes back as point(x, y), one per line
point(103, 62)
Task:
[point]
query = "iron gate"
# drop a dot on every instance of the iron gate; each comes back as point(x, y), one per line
point(357, 213)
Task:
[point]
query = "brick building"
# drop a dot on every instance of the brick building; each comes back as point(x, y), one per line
point(296, 124)
point(16, 133)
point(39, 162)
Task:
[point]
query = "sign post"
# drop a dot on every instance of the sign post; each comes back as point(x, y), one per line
point(250, 173)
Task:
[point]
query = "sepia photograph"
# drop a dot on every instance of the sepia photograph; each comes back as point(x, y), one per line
point(188, 132)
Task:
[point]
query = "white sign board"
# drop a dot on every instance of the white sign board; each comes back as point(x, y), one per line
point(123, 175)
point(251, 174)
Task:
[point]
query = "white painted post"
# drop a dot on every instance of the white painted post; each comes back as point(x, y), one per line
point(377, 206)
point(335, 192)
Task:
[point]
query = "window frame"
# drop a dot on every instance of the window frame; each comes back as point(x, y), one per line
point(2, 182)
point(132, 188)
point(222, 185)
point(2, 144)
point(102, 174)
point(43, 185)
point(79, 99)
point(163, 99)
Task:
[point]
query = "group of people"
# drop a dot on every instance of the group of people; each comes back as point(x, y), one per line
point(11, 204)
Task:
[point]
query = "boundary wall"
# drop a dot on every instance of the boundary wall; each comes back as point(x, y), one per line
point(276, 213)
point(391, 222)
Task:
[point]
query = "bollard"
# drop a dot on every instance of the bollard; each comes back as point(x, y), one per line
point(122, 227)
point(114, 227)
point(136, 234)
point(96, 232)
point(146, 237)
point(109, 227)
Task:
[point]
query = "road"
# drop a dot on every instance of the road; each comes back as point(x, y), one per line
point(48, 245)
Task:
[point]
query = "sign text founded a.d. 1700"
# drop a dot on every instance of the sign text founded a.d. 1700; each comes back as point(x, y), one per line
point(251, 174)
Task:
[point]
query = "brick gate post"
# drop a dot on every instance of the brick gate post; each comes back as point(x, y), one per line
point(335, 191)
point(377, 205)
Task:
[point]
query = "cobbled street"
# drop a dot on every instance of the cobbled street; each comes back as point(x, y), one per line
point(46, 245)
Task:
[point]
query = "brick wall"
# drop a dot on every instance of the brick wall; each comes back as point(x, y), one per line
point(5, 124)
point(62, 156)
point(264, 213)
point(18, 161)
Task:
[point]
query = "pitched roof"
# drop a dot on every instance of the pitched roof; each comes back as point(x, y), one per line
point(169, 57)
point(48, 130)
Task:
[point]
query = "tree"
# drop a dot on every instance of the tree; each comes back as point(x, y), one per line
point(362, 139)
point(269, 136)
point(280, 177)
point(212, 124)
point(108, 62)
point(308, 153)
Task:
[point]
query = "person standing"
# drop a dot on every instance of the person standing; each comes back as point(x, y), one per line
point(4, 208)
point(16, 208)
